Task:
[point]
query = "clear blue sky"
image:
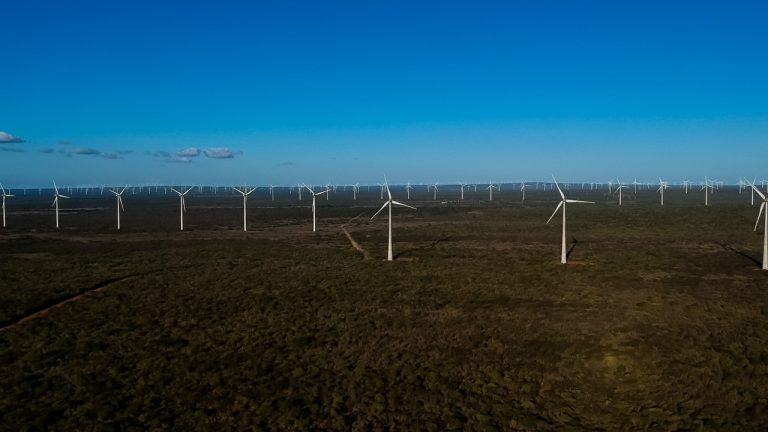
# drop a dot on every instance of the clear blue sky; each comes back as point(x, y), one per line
point(284, 91)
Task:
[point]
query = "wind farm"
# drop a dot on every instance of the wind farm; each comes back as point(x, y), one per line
point(378, 216)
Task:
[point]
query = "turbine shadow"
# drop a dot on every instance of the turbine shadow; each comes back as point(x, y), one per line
point(730, 248)
point(433, 244)
point(573, 246)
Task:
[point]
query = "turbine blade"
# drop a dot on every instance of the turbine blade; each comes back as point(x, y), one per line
point(762, 206)
point(577, 201)
point(176, 191)
point(560, 204)
point(757, 190)
point(63, 196)
point(120, 200)
point(403, 205)
point(558, 188)
point(320, 193)
point(382, 208)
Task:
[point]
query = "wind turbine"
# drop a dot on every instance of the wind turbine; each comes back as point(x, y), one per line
point(434, 192)
point(523, 186)
point(245, 192)
point(490, 188)
point(5, 195)
point(408, 188)
point(706, 188)
point(314, 206)
point(562, 204)
point(56, 196)
point(619, 188)
point(183, 206)
point(119, 196)
point(389, 203)
point(462, 186)
point(765, 225)
point(662, 186)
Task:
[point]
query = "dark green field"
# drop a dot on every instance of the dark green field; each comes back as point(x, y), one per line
point(659, 322)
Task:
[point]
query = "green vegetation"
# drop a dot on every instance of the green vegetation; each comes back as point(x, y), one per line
point(660, 321)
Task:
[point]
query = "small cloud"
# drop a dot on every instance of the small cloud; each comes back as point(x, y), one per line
point(123, 152)
point(76, 151)
point(12, 149)
point(288, 163)
point(188, 152)
point(46, 150)
point(219, 153)
point(6, 138)
point(65, 143)
point(107, 155)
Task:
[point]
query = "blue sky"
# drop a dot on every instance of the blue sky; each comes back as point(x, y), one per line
point(279, 92)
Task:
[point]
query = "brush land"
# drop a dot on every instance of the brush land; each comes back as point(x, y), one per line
point(659, 321)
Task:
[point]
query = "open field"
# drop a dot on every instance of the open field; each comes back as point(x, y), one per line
point(659, 321)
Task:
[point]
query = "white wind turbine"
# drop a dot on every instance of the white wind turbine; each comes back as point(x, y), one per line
point(765, 225)
point(408, 188)
point(314, 206)
point(5, 195)
point(462, 186)
point(245, 191)
point(706, 188)
point(389, 203)
point(619, 189)
point(490, 188)
point(523, 186)
point(183, 207)
point(562, 204)
point(56, 196)
point(434, 192)
point(662, 186)
point(119, 196)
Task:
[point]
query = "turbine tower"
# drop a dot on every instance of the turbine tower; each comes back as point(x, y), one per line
point(183, 206)
point(314, 206)
point(245, 192)
point(56, 196)
point(765, 224)
point(119, 196)
point(5, 195)
point(389, 203)
point(562, 203)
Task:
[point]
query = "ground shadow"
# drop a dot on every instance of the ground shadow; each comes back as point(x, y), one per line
point(743, 254)
point(573, 246)
point(431, 245)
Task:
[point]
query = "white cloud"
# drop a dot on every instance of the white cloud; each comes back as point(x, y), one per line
point(188, 152)
point(219, 153)
point(6, 138)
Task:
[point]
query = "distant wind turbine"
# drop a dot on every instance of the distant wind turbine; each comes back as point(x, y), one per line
point(706, 188)
point(765, 225)
point(119, 196)
point(662, 186)
point(183, 206)
point(389, 203)
point(490, 188)
point(245, 191)
point(56, 196)
point(619, 189)
point(5, 195)
point(314, 206)
point(563, 202)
